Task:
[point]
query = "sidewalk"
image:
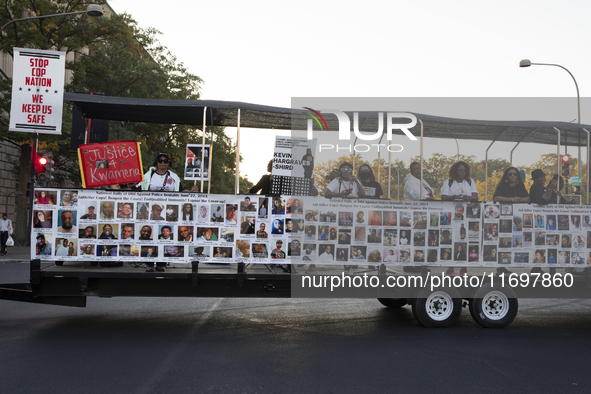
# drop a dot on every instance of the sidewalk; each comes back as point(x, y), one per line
point(16, 254)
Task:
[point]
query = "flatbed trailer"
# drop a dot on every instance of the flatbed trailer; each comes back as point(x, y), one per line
point(492, 304)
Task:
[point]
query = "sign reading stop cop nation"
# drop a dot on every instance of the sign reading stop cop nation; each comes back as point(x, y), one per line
point(37, 91)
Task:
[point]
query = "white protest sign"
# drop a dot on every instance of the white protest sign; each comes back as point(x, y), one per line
point(294, 157)
point(37, 91)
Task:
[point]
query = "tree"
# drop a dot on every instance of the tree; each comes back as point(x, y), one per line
point(135, 64)
point(68, 33)
point(113, 56)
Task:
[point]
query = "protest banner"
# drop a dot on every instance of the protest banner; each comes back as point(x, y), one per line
point(293, 166)
point(37, 91)
point(110, 163)
point(104, 225)
point(193, 164)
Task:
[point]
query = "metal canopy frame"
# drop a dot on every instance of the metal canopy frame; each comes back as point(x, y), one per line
point(240, 114)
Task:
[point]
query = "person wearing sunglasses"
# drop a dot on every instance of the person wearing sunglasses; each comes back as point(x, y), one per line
point(346, 185)
point(161, 178)
point(511, 188)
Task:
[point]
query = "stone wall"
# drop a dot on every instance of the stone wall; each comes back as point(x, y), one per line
point(9, 157)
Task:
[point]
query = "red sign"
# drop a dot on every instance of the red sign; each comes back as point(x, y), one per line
point(110, 163)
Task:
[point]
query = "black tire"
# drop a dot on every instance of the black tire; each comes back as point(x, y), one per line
point(59, 263)
point(494, 307)
point(394, 303)
point(436, 309)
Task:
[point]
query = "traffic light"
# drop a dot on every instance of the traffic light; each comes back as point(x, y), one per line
point(46, 174)
point(565, 165)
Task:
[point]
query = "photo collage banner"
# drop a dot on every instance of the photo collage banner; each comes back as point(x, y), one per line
point(99, 225)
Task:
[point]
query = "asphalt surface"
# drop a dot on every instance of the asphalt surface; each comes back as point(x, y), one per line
point(221, 345)
point(16, 254)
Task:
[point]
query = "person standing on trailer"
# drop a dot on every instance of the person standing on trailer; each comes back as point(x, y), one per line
point(345, 185)
point(161, 178)
point(459, 187)
point(541, 195)
point(412, 185)
point(511, 188)
point(264, 184)
point(372, 188)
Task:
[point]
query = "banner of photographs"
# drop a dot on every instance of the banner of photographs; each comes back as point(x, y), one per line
point(91, 224)
point(523, 234)
point(388, 232)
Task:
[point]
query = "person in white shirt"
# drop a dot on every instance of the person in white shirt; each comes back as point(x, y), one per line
point(217, 216)
point(62, 249)
point(389, 257)
point(345, 185)
point(412, 185)
point(5, 231)
point(327, 255)
point(67, 223)
point(459, 187)
point(161, 178)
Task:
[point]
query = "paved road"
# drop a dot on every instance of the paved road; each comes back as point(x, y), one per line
point(145, 345)
point(15, 254)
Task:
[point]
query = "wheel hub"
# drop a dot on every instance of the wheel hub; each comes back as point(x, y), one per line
point(495, 305)
point(439, 306)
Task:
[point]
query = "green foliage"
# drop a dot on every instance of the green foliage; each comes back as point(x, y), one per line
point(435, 172)
point(115, 57)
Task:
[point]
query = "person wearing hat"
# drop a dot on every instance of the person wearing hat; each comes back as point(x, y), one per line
point(161, 178)
point(198, 252)
point(545, 195)
point(90, 214)
point(277, 253)
point(44, 249)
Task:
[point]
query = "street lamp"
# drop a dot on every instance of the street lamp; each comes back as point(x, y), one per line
point(91, 10)
point(16, 193)
point(528, 63)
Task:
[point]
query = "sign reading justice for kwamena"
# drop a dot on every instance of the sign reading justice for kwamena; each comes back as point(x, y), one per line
point(110, 163)
point(37, 91)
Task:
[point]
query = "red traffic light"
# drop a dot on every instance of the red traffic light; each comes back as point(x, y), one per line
point(42, 161)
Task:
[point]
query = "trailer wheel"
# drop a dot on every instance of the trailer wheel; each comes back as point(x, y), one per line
point(494, 308)
point(440, 308)
point(394, 303)
point(59, 263)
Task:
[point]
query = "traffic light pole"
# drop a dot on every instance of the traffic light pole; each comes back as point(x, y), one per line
point(32, 187)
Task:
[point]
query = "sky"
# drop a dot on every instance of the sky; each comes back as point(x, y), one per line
point(266, 52)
